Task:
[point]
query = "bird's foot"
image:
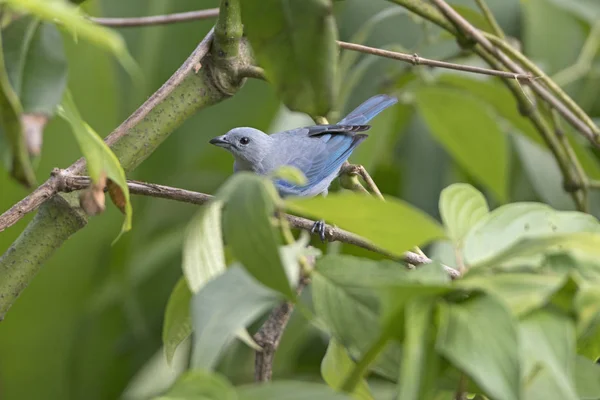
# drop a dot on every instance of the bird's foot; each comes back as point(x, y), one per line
point(319, 228)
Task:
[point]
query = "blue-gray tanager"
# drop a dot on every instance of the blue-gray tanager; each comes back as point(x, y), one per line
point(318, 151)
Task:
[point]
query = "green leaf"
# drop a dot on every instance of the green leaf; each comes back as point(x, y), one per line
point(587, 306)
point(289, 390)
point(248, 230)
point(512, 223)
point(469, 133)
point(203, 254)
point(178, 324)
point(522, 293)
point(587, 378)
point(461, 207)
point(336, 365)
point(70, 16)
point(464, 339)
point(100, 158)
point(393, 225)
point(294, 41)
point(200, 385)
point(548, 343)
point(290, 174)
point(420, 363)
point(12, 129)
point(36, 64)
point(222, 308)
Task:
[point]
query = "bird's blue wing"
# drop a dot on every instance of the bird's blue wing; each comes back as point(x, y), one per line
point(318, 165)
point(368, 110)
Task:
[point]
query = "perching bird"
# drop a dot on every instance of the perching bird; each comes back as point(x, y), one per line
point(318, 151)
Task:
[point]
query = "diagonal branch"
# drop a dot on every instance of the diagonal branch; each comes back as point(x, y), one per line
point(157, 19)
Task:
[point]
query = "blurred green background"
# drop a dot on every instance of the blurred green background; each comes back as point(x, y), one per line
point(89, 325)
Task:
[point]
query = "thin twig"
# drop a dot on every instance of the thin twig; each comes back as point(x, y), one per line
point(353, 169)
point(416, 60)
point(157, 19)
point(63, 181)
point(489, 16)
point(252, 71)
point(269, 336)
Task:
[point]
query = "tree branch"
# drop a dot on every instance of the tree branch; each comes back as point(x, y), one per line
point(489, 16)
point(157, 19)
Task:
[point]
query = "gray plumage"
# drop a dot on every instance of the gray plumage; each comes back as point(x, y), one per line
point(318, 151)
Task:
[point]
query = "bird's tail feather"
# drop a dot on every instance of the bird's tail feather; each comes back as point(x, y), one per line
point(369, 109)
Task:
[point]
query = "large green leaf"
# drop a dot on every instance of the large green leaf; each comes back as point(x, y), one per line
point(70, 16)
point(420, 363)
point(222, 308)
point(468, 131)
point(461, 207)
point(100, 158)
point(587, 378)
point(178, 324)
point(36, 64)
point(289, 390)
point(12, 129)
point(336, 365)
point(200, 385)
point(465, 338)
point(510, 224)
point(522, 293)
point(248, 230)
point(392, 225)
point(548, 343)
point(294, 41)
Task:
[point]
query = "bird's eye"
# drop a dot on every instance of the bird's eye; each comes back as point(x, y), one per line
point(245, 140)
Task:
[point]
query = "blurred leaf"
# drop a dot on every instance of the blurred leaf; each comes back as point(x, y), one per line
point(289, 390)
point(393, 225)
point(290, 174)
point(248, 230)
point(100, 158)
point(464, 339)
point(522, 293)
point(336, 365)
point(587, 306)
point(474, 17)
point(511, 223)
point(222, 308)
point(178, 324)
point(469, 133)
point(544, 174)
point(420, 363)
point(70, 16)
point(461, 207)
point(587, 378)
point(200, 385)
point(294, 41)
point(203, 255)
point(11, 128)
point(548, 343)
point(36, 64)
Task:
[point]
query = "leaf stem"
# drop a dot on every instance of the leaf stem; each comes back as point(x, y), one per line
point(362, 365)
point(489, 16)
point(228, 29)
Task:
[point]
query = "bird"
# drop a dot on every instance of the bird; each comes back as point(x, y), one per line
point(318, 151)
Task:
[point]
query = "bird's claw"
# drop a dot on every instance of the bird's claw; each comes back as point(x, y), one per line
point(319, 228)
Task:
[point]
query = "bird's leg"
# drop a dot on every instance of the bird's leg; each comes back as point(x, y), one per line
point(319, 228)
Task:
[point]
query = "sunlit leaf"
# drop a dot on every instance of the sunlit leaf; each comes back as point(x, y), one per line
point(100, 158)
point(248, 230)
point(222, 308)
point(336, 365)
point(468, 131)
point(461, 207)
point(201, 385)
point(294, 41)
point(393, 225)
point(178, 324)
point(464, 339)
point(290, 174)
point(289, 390)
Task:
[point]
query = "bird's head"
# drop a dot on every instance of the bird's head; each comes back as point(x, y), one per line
point(246, 144)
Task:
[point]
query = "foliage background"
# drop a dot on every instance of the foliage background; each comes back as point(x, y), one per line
point(92, 318)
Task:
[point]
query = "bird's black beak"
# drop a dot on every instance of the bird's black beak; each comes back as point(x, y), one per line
point(220, 141)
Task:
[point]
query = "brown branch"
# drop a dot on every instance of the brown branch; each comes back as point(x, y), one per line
point(64, 181)
point(269, 336)
point(416, 60)
point(157, 19)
